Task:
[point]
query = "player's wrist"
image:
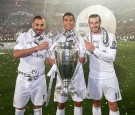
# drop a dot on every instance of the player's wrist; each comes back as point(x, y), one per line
point(36, 48)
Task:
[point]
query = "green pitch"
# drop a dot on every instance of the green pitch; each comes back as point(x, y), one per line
point(124, 66)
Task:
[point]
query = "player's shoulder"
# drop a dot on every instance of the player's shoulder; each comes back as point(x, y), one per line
point(111, 36)
point(23, 34)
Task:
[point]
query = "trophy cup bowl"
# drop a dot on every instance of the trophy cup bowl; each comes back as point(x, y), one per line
point(66, 56)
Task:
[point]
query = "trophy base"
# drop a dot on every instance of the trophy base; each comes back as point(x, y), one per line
point(66, 91)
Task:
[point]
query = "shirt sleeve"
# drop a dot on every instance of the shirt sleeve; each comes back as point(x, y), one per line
point(110, 54)
point(19, 42)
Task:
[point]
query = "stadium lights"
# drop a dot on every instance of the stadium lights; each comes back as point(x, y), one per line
point(124, 22)
point(131, 19)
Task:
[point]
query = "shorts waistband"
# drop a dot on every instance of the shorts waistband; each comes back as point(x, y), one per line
point(29, 76)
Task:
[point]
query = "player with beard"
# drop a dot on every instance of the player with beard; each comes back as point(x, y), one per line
point(32, 50)
point(101, 47)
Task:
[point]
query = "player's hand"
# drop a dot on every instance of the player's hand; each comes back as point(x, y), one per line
point(50, 61)
point(44, 45)
point(82, 59)
point(89, 46)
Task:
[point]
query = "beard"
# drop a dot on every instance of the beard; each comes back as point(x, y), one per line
point(38, 32)
point(95, 30)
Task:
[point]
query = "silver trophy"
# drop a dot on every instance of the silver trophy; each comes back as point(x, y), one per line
point(67, 56)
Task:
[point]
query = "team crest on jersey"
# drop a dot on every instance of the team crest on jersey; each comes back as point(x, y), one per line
point(114, 45)
point(17, 42)
point(34, 72)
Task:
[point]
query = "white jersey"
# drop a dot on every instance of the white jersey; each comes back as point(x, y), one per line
point(35, 61)
point(101, 60)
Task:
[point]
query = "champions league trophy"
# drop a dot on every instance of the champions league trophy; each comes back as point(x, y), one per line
point(66, 55)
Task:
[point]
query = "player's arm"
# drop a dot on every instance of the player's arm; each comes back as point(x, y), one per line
point(108, 56)
point(26, 52)
point(23, 53)
point(105, 56)
point(20, 50)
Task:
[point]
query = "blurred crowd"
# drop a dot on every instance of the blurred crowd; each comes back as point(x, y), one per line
point(15, 18)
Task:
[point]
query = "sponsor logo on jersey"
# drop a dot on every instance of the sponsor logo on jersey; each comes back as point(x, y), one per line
point(37, 55)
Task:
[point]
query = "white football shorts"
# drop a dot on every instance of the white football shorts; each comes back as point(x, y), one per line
point(25, 90)
point(108, 87)
point(63, 99)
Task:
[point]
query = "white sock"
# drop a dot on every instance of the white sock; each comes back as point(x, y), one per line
point(19, 112)
point(38, 111)
point(78, 110)
point(60, 111)
point(114, 112)
point(96, 110)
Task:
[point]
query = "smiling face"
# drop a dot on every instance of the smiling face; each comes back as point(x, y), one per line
point(39, 26)
point(94, 24)
point(68, 23)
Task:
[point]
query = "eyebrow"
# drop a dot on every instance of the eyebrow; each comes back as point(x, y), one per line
point(69, 19)
point(39, 24)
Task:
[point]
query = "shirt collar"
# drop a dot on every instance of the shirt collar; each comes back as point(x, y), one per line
point(68, 34)
point(33, 34)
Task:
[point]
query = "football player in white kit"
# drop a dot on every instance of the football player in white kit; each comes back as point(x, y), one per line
point(101, 47)
point(31, 47)
point(69, 35)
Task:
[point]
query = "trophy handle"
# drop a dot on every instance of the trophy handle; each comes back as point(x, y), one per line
point(57, 70)
point(76, 70)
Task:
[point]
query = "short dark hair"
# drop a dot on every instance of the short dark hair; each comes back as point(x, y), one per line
point(69, 14)
point(94, 16)
point(37, 17)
